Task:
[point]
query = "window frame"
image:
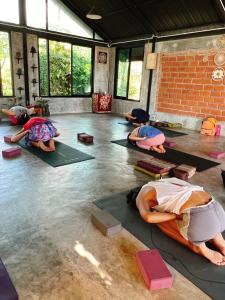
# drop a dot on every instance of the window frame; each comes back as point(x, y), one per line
point(11, 67)
point(92, 70)
point(128, 79)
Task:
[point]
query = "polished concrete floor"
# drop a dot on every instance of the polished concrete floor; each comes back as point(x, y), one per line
point(47, 241)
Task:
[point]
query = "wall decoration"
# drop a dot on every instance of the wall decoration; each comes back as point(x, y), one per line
point(219, 58)
point(19, 72)
point(18, 56)
point(218, 74)
point(33, 51)
point(102, 57)
point(151, 61)
point(33, 67)
point(34, 81)
point(20, 88)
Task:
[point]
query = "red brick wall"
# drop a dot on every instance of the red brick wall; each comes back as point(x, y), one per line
point(186, 87)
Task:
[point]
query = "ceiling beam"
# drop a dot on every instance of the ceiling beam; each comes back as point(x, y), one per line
point(220, 7)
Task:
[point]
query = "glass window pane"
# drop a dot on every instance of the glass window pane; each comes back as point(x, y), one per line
point(122, 76)
point(9, 11)
point(43, 67)
point(5, 66)
point(36, 13)
point(97, 37)
point(60, 68)
point(82, 70)
point(135, 80)
point(61, 19)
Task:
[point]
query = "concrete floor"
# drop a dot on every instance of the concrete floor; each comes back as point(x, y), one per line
point(47, 241)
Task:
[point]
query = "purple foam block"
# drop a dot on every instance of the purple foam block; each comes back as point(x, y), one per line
point(7, 138)
point(11, 152)
point(217, 154)
point(153, 269)
point(169, 143)
point(7, 290)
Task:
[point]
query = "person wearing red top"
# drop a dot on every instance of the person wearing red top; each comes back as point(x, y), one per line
point(38, 132)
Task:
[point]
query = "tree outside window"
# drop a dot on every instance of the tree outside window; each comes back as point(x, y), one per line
point(5, 66)
point(129, 73)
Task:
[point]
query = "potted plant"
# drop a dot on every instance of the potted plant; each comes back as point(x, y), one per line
point(43, 103)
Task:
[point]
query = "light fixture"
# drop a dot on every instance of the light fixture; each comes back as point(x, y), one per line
point(92, 14)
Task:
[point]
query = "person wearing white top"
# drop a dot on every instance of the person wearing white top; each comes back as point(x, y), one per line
point(189, 206)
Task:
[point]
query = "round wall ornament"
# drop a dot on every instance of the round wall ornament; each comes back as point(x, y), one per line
point(219, 58)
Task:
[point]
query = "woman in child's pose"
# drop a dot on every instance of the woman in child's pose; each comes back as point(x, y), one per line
point(148, 137)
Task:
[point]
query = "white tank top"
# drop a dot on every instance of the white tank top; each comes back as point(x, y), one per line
point(172, 193)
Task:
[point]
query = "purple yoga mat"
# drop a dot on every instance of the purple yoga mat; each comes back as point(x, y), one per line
point(7, 289)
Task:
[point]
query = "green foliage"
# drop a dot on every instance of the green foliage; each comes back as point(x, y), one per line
point(60, 69)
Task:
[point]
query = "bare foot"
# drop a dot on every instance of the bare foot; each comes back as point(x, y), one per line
point(156, 149)
point(162, 149)
point(219, 242)
point(214, 256)
point(51, 145)
point(42, 146)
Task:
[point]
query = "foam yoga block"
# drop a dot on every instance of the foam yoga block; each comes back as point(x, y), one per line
point(11, 152)
point(154, 270)
point(7, 138)
point(217, 154)
point(106, 223)
point(84, 137)
point(7, 290)
point(169, 143)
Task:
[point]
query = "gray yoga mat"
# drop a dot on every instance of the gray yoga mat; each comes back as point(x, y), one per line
point(63, 155)
point(205, 275)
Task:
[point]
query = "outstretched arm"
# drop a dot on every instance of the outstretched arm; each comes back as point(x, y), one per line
point(17, 137)
point(147, 199)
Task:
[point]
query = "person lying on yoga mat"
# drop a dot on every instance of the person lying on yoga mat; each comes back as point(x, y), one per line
point(185, 212)
point(148, 137)
point(38, 132)
point(137, 116)
point(18, 115)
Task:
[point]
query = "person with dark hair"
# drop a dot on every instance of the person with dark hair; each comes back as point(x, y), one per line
point(148, 137)
point(185, 212)
point(18, 115)
point(38, 132)
point(137, 116)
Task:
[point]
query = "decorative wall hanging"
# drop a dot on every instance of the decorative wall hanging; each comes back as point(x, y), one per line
point(34, 81)
point(219, 58)
point(18, 56)
point(151, 61)
point(33, 51)
point(218, 74)
point(19, 72)
point(102, 57)
point(33, 67)
point(20, 88)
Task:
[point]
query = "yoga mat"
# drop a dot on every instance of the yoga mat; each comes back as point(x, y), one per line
point(167, 132)
point(63, 155)
point(7, 289)
point(174, 156)
point(207, 276)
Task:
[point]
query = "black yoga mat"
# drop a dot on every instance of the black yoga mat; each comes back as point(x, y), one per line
point(167, 132)
point(7, 290)
point(174, 156)
point(63, 155)
point(207, 276)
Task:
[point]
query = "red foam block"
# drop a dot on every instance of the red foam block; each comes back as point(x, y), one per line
point(7, 138)
point(154, 270)
point(169, 143)
point(11, 152)
point(217, 154)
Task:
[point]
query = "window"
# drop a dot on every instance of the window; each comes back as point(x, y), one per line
point(43, 61)
point(61, 19)
point(60, 68)
point(82, 70)
point(5, 66)
point(67, 67)
point(9, 11)
point(129, 73)
point(36, 13)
